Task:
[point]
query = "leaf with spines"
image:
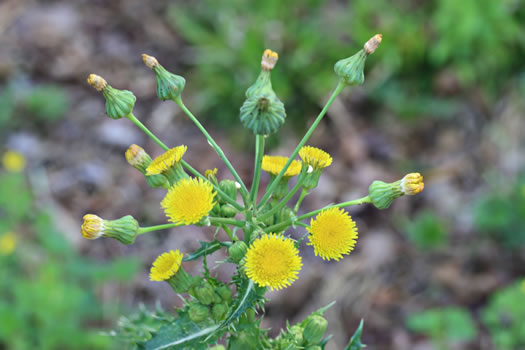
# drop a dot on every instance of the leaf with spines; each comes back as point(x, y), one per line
point(183, 334)
point(355, 341)
point(206, 248)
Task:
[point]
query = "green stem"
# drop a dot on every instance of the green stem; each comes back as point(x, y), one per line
point(285, 200)
point(184, 163)
point(226, 221)
point(304, 193)
point(228, 231)
point(143, 230)
point(259, 152)
point(274, 183)
point(147, 131)
point(278, 227)
point(212, 143)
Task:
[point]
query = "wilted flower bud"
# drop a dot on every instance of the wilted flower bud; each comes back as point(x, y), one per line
point(262, 112)
point(169, 85)
point(237, 251)
point(314, 329)
point(140, 160)
point(124, 229)
point(198, 312)
point(119, 103)
point(351, 69)
point(382, 194)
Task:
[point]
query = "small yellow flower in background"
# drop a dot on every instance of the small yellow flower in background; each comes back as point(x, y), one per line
point(165, 266)
point(210, 173)
point(93, 227)
point(14, 161)
point(274, 165)
point(273, 261)
point(315, 157)
point(412, 184)
point(166, 160)
point(523, 286)
point(333, 233)
point(7, 243)
point(188, 201)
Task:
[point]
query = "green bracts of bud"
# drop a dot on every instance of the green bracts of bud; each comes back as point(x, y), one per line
point(237, 251)
point(382, 194)
point(229, 187)
point(262, 112)
point(198, 312)
point(314, 329)
point(205, 294)
point(351, 70)
point(225, 293)
point(157, 181)
point(219, 311)
point(181, 282)
point(119, 103)
point(124, 229)
point(228, 211)
point(169, 85)
point(297, 332)
point(244, 340)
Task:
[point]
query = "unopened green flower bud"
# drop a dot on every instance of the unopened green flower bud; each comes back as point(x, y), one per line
point(225, 293)
point(205, 293)
point(198, 312)
point(244, 341)
point(219, 311)
point(169, 85)
point(237, 251)
point(297, 332)
point(314, 329)
point(228, 211)
point(382, 194)
point(262, 112)
point(285, 214)
point(351, 69)
point(124, 229)
point(119, 103)
point(229, 187)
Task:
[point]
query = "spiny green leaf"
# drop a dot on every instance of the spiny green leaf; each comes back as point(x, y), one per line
point(206, 248)
point(183, 333)
point(355, 341)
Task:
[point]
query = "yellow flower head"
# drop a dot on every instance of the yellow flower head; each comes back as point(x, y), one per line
point(412, 184)
point(210, 173)
point(315, 157)
point(273, 261)
point(333, 233)
point(188, 201)
point(274, 165)
point(165, 266)
point(93, 227)
point(14, 161)
point(7, 243)
point(166, 160)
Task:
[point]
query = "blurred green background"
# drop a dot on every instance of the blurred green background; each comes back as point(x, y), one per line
point(443, 95)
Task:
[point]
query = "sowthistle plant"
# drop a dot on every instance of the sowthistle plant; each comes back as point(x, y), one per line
point(265, 255)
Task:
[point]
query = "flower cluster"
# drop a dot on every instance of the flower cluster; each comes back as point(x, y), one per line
point(260, 230)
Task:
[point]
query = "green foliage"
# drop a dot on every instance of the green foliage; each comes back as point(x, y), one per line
point(45, 299)
point(504, 315)
point(444, 325)
point(426, 230)
point(500, 211)
point(47, 102)
point(355, 341)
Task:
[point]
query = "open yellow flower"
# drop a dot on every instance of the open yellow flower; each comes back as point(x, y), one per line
point(14, 161)
point(315, 157)
point(274, 165)
point(333, 233)
point(166, 161)
point(188, 201)
point(7, 243)
point(165, 266)
point(273, 261)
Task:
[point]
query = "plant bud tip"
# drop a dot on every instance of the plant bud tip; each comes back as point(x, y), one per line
point(372, 44)
point(150, 61)
point(97, 82)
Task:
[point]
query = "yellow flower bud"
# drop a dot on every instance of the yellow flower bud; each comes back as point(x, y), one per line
point(412, 184)
point(93, 227)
